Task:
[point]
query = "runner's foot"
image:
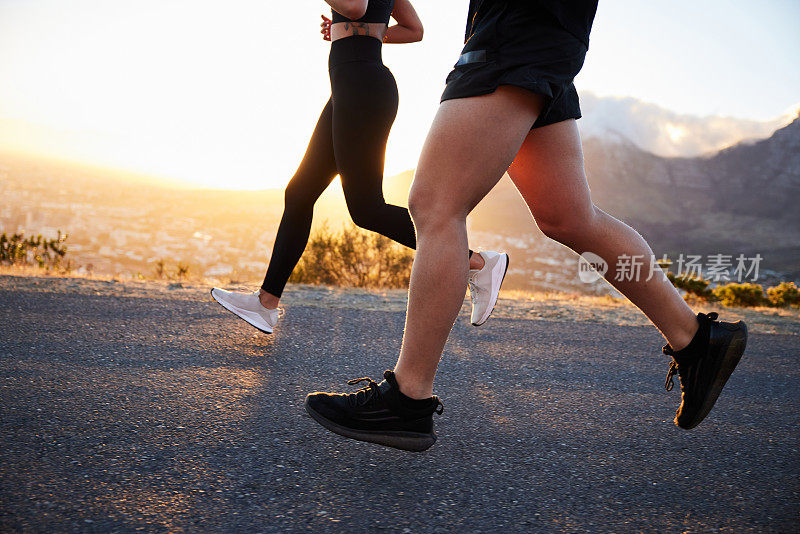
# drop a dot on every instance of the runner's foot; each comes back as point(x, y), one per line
point(377, 413)
point(484, 285)
point(704, 366)
point(247, 306)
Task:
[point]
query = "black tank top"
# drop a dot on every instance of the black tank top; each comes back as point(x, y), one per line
point(377, 11)
point(575, 16)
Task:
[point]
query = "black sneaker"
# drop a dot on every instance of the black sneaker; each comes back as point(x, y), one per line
point(705, 366)
point(378, 413)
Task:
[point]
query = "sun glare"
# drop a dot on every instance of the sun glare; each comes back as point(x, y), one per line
point(675, 132)
point(223, 98)
point(227, 95)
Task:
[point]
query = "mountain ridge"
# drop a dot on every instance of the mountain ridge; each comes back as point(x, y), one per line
point(741, 200)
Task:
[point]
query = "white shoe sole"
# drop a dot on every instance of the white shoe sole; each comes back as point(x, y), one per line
point(498, 276)
point(252, 318)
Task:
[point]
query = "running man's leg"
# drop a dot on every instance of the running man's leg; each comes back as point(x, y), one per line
point(313, 176)
point(548, 172)
point(470, 145)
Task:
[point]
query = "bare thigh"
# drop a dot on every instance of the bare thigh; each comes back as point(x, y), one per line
point(469, 146)
point(549, 174)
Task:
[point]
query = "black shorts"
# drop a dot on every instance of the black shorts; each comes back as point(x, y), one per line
point(521, 44)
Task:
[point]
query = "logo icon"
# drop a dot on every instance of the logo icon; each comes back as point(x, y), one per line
point(591, 267)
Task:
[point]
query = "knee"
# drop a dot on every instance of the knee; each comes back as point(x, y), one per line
point(417, 205)
point(365, 214)
point(431, 209)
point(567, 225)
point(297, 198)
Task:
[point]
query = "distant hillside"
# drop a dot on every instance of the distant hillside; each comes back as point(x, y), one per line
point(741, 200)
point(745, 199)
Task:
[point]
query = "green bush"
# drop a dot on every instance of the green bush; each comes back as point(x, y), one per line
point(16, 249)
point(693, 285)
point(353, 258)
point(746, 294)
point(784, 294)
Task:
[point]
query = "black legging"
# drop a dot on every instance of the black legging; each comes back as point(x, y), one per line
point(349, 140)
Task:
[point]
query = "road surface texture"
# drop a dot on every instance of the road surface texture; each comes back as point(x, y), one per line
point(123, 414)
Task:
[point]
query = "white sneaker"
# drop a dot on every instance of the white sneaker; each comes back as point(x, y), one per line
point(248, 307)
point(484, 285)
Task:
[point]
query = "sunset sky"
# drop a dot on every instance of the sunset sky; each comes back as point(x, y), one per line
point(226, 94)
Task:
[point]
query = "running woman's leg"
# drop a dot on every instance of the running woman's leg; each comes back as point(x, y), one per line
point(315, 173)
point(471, 143)
point(548, 172)
point(364, 109)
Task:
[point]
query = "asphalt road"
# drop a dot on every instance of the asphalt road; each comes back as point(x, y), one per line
point(134, 414)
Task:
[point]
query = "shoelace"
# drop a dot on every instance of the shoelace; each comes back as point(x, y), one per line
point(673, 368)
point(673, 365)
point(472, 291)
point(366, 393)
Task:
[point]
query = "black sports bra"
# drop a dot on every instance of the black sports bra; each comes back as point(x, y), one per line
point(377, 11)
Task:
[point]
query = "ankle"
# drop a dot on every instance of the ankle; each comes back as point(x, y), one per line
point(684, 338)
point(413, 389)
point(476, 262)
point(268, 300)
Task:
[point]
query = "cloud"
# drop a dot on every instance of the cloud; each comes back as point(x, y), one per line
point(666, 132)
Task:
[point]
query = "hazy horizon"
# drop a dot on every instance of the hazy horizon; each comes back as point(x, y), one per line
point(120, 222)
point(206, 98)
point(698, 136)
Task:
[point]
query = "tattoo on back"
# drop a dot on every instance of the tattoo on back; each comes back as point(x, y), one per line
point(357, 28)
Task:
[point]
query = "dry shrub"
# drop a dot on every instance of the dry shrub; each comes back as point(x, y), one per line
point(746, 294)
point(16, 249)
point(784, 294)
point(353, 258)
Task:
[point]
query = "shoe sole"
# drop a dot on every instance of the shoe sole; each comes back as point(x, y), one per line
point(234, 310)
point(406, 441)
point(508, 260)
point(733, 353)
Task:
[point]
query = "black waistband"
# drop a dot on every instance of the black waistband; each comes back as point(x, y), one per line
point(355, 48)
